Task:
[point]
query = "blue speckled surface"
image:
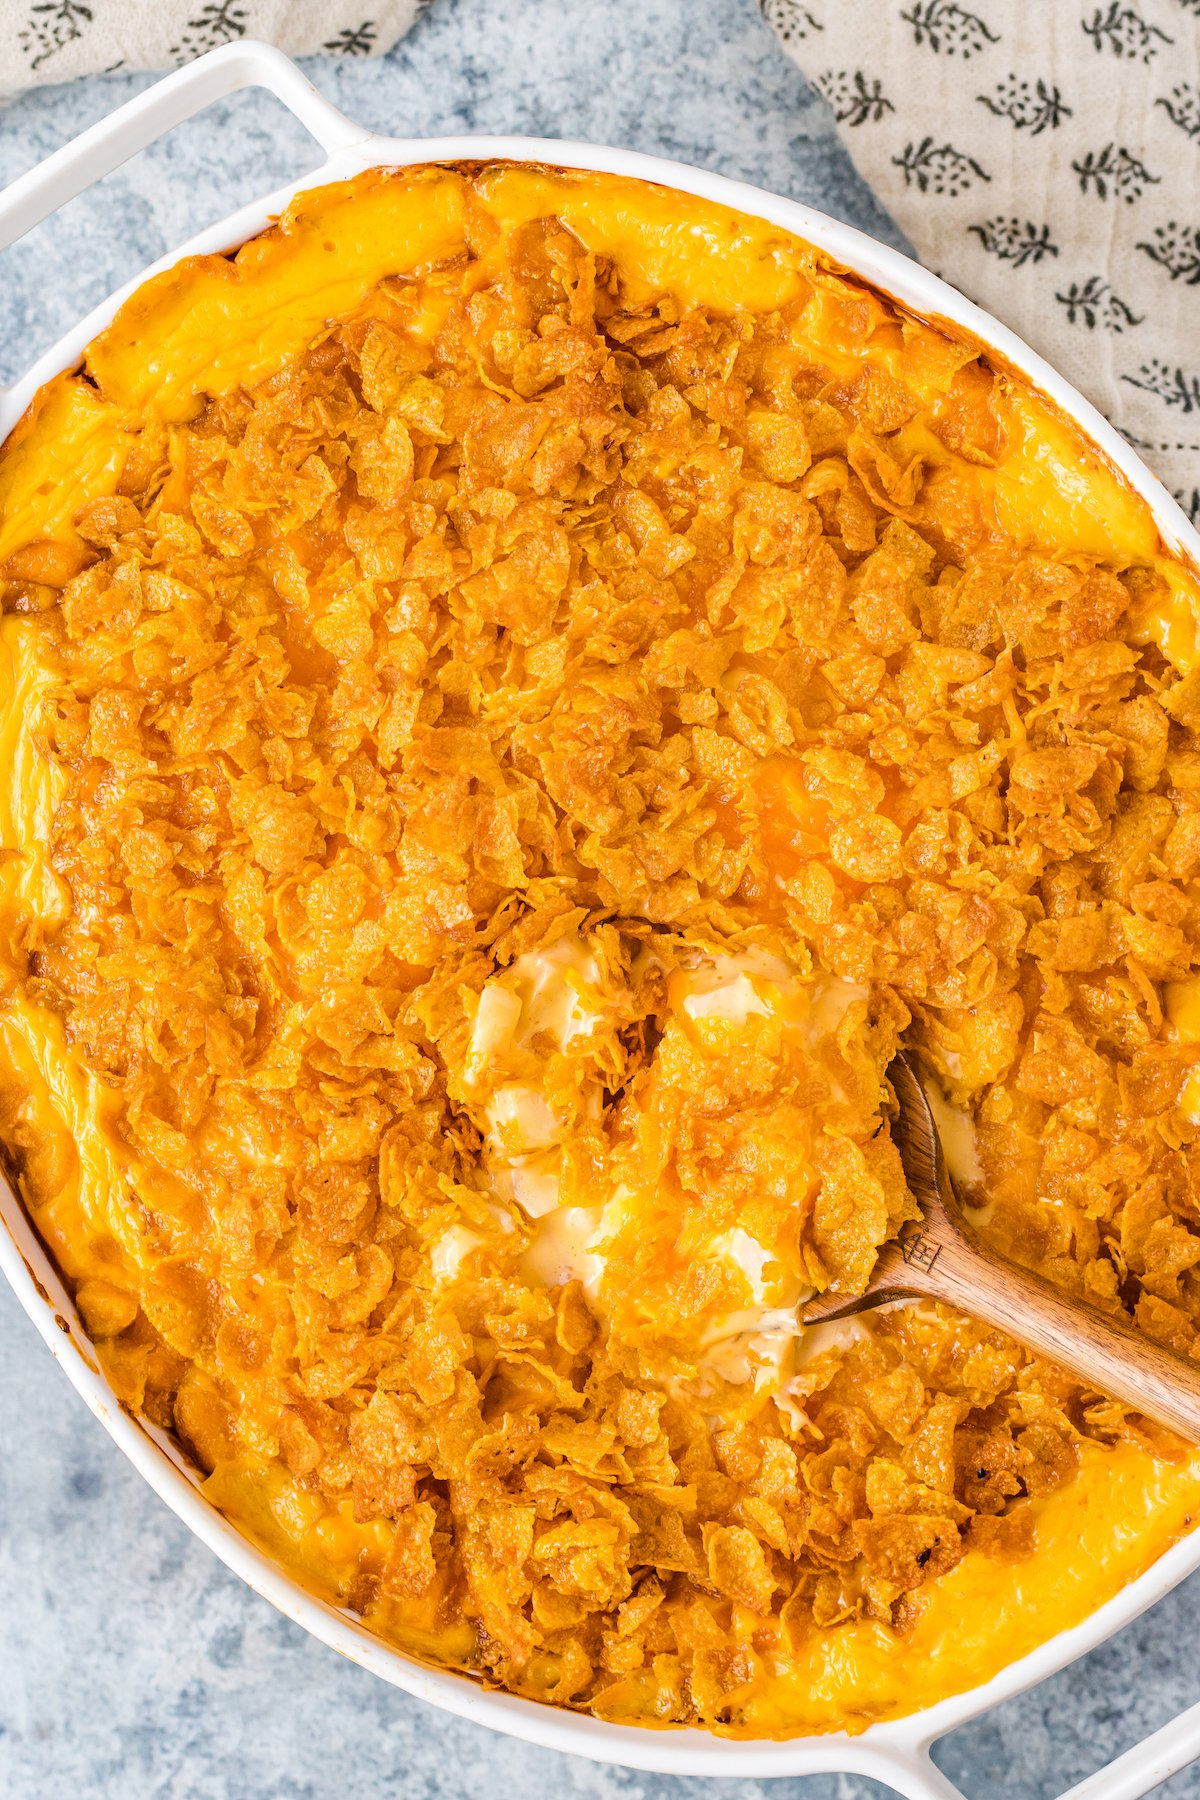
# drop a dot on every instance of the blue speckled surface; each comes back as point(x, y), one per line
point(131, 1664)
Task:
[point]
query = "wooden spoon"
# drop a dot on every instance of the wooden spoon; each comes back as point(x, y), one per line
point(942, 1257)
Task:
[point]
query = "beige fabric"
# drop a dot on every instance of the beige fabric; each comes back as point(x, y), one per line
point(1043, 156)
point(54, 40)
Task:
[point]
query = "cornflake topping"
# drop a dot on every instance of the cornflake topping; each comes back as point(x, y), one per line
point(526, 761)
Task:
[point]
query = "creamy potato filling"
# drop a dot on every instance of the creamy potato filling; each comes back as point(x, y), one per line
point(481, 565)
point(557, 1001)
point(960, 1145)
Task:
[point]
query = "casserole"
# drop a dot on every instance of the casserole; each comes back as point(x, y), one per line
point(850, 253)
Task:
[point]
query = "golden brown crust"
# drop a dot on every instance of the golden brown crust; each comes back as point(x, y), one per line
point(626, 621)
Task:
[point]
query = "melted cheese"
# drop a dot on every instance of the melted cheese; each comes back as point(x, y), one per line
point(956, 1130)
point(835, 1334)
point(1183, 1008)
point(734, 1001)
point(562, 1249)
point(1122, 1511)
point(450, 1252)
point(752, 1344)
point(750, 1256)
point(33, 785)
point(719, 993)
point(549, 999)
point(558, 992)
point(727, 991)
point(519, 1120)
point(212, 324)
point(496, 1019)
point(1091, 1537)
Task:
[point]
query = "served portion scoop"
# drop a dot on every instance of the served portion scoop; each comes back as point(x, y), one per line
point(942, 1257)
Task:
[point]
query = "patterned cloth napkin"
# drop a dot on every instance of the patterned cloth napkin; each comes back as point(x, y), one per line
point(1043, 156)
point(55, 40)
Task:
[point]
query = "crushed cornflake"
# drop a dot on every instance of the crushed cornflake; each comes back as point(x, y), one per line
point(482, 754)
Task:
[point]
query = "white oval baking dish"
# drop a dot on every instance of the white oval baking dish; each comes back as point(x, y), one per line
point(897, 1753)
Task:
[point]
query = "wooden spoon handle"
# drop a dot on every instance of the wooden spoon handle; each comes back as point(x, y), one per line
point(1105, 1353)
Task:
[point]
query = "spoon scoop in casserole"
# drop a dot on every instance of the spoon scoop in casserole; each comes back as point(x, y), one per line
point(942, 1257)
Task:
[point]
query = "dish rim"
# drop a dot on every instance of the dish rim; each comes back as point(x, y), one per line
point(895, 1751)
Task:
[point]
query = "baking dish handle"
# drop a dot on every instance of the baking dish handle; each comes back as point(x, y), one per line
point(114, 139)
point(1134, 1773)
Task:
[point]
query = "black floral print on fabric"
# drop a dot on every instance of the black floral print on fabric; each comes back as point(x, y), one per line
point(949, 29)
point(939, 168)
point(53, 24)
point(353, 40)
point(1182, 107)
point(793, 22)
point(1017, 241)
point(1056, 185)
point(1092, 302)
point(1175, 387)
point(1176, 248)
point(1114, 170)
point(854, 99)
point(219, 23)
point(1030, 106)
point(1124, 32)
point(59, 40)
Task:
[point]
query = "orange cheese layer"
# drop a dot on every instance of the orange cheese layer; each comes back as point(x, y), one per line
point(1108, 1525)
point(213, 323)
point(1122, 1511)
